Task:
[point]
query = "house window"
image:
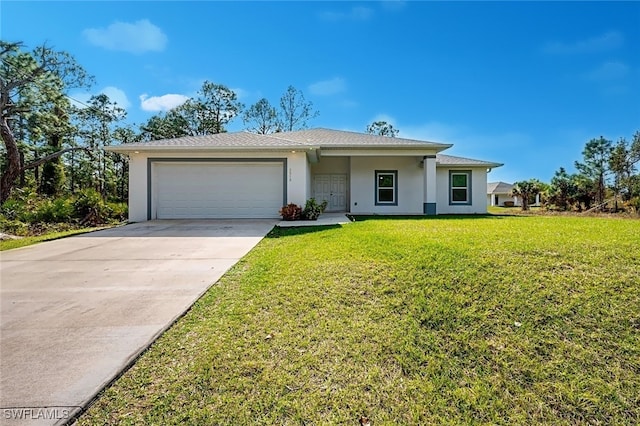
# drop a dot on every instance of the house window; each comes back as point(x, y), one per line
point(386, 187)
point(460, 187)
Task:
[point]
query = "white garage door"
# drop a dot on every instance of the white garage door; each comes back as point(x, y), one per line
point(218, 190)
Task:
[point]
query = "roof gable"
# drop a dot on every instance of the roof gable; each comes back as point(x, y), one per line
point(329, 138)
point(499, 188)
point(312, 138)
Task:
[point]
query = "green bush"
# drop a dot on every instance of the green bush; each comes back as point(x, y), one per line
point(29, 213)
point(21, 206)
point(54, 211)
point(90, 206)
point(634, 204)
point(313, 210)
point(13, 227)
point(118, 210)
point(11, 209)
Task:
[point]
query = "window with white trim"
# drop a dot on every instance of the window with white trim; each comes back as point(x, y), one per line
point(460, 187)
point(386, 187)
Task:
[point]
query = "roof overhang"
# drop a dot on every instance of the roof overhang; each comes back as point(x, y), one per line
point(124, 149)
point(469, 166)
point(389, 151)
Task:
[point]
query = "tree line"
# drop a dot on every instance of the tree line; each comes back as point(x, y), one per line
point(52, 144)
point(607, 178)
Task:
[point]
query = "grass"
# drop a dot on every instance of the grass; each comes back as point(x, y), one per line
point(484, 320)
point(27, 241)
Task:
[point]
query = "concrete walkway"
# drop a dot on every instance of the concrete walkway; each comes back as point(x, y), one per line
point(325, 219)
point(76, 311)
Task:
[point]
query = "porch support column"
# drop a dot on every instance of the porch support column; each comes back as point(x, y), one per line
point(429, 206)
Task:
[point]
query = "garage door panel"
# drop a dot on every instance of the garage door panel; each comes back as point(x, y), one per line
point(218, 190)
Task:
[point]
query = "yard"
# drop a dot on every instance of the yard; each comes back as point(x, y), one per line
point(485, 320)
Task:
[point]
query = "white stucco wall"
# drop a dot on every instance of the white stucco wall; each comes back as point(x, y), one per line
point(361, 171)
point(329, 165)
point(410, 185)
point(478, 192)
point(297, 174)
point(501, 199)
point(137, 188)
point(298, 184)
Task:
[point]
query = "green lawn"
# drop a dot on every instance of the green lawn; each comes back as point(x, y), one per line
point(483, 320)
point(27, 241)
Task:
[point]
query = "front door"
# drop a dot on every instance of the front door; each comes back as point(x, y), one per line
point(333, 189)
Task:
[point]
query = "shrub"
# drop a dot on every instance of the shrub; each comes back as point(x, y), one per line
point(89, 207)
point(11, 209)
point(634, 204)
point(313, 210)
point(54, 211)
point(291, 212)
point(118, 210)
point(13, 227)
point(21, 206)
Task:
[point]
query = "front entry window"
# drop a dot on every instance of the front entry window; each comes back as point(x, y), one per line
point(386, 187)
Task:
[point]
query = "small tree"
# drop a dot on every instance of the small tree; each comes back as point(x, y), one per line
point(382, 128)
point(220, 105)
point(261, 117)
point(560, 189)
point(526, 189)
point(295, 111)
point(164, 126)
point(595, 164)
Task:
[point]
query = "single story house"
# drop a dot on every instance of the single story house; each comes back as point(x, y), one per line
point(500, 192)
point(247, 175)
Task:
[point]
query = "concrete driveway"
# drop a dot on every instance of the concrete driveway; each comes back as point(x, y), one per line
point(76, 311)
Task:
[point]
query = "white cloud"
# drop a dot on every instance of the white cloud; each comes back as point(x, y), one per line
point(240, 93)
point(357, 13)
point(383, 117)
point(140, 36)
point(328, 87)
point(607, 41)
point(81, 99)
point(117, 95)
point(161, 103)
point(609, 71)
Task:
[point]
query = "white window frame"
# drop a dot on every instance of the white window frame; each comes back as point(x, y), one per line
point(394, 175)
point(467, 188)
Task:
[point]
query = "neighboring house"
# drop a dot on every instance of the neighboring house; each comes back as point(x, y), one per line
point(246, 175)
point(500, 192)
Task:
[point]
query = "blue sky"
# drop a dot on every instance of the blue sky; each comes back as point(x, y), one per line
point(525, 84)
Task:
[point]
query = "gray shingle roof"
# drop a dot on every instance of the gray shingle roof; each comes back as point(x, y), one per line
point(499, 188)
point(311, 138)
point(329, 138)
point(450, 160)
point(222, 140)
point(320, 138)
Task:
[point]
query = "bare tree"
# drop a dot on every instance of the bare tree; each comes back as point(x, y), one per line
point(295, 111)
